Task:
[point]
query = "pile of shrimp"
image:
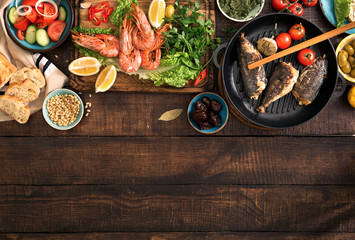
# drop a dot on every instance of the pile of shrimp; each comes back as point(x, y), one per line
point(137, 45)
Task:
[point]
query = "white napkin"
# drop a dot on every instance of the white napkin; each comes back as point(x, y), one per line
point(55, 79)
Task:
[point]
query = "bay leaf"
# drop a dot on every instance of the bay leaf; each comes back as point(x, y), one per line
point(171, 115)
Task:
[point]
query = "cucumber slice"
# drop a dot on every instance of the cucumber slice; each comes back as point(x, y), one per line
point(62, 13)
point(13, 15)
point(30, 36)
point(42, 37)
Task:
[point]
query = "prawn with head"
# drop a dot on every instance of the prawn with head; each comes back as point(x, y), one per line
point(143, 36)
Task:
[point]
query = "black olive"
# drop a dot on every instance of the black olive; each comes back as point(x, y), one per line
point(204, 125)
point(200, 106)
point(216, 120)
point(199, 116)
point(206, 101)
point(216, 106)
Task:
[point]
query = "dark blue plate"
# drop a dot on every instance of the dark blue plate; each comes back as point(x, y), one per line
point(327, 7)
point(12, 31)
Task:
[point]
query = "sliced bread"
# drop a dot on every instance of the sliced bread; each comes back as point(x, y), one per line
point(25, 90)
point(6, 70)
point(15, 108)
point(34, 74)
point(351, 16)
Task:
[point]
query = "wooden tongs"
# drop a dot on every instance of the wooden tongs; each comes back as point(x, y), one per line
point(303, 45)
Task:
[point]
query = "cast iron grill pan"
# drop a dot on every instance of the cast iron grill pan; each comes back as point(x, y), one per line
point(284, 112)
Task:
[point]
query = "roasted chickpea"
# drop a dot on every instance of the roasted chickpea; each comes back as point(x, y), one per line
point(346, 68)
point(342, 59)
point(349, 49)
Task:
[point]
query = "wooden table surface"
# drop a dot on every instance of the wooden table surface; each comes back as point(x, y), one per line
point(122, 174)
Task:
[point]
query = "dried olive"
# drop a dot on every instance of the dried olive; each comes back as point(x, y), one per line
point(346, 68)
point(204, 125)
point(199, 115)
point(216, 120)
point(200, 106)
point(342, 59)
point(351, 60)
point(349, 49)
point(344, 52)
point(353, 43)
point(216, 106)
point(352, 73)
point(206, 101)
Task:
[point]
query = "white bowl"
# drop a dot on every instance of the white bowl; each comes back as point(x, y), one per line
point(253, 13)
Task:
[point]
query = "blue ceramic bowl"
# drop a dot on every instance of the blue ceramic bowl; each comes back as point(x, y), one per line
point(12, 31)
point(62, 92)
point(223, 113)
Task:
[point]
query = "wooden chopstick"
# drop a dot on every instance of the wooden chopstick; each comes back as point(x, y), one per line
point(303, 45)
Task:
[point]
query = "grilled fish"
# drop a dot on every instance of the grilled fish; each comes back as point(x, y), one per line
point(254, 81)
point(310, 81)
point(281, 82)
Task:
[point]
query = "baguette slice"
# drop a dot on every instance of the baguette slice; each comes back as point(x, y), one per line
point(34, 74)
point(25, 90)
point(351, 16)
point(6, 70)
point(15, 108)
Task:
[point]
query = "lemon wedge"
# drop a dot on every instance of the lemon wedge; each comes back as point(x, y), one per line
point(84, 66)
point(106, 79)
point(156, 12)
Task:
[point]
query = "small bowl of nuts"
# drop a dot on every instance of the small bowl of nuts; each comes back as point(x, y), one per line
point(207, 113)
point(62, 109)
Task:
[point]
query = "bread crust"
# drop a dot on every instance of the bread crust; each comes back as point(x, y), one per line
point(20, 105)
point(34, 74)
point(25, 90)
point(6, 70)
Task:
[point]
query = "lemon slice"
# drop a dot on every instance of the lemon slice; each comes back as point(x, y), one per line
point(156, 12)
point(106, 79)
point(84, 66)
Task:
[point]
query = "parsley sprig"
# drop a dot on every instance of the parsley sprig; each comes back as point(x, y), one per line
point(190, 32)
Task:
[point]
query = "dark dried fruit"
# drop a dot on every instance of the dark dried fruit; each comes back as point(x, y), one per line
point(216, 120)
point(205, 125)
point(199, 115)
point(206, 101)
point(216, 106)
point(200, 106)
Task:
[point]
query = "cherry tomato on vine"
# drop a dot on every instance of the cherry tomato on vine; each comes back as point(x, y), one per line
point(297, 32)
point(293, 1)
point(295, 9)
point(309, 3)
point(306, 56)
point(283, 40)
point(280, 4)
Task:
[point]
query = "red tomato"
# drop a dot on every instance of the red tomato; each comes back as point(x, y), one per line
point(101, 6)
point(283, 40)
point(32, 3)
point(280, 4)
point(32, 16)
point(22, 23)
point(104, 16)
point(91, 13)
point(306, 56)
point(297, 32)
point(55, 30)
point(49, 10)
point(40, 9)
point(40, 23)
point(200, 77)
point(21, 35)
point(293, 1)
point(295, 9)
point(309, 3)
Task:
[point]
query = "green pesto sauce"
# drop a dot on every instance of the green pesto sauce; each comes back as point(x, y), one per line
point(238, 9)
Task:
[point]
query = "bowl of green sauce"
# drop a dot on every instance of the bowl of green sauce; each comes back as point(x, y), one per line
point(240, 10)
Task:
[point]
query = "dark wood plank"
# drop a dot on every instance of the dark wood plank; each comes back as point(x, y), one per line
point(181, 235)
point(110, 208)
point(128, 114)
point(195, 160)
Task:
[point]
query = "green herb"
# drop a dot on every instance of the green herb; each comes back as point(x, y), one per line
point(342, 10)
point(231, 30)
point(190, 33)
point(238, 9)
point(123, 7)
point(92, 30)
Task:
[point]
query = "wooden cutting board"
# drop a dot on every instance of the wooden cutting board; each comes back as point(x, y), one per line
point(132, 83)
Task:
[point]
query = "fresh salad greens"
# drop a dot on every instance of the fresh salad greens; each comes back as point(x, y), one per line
point(82, 29)
point(123, 7)
point(238, 9)
point(342, 10)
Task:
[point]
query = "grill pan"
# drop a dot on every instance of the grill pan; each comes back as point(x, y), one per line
point(285, 112)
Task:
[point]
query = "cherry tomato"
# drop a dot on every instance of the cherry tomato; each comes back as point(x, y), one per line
point(280, 4)
point(22, 23)
point(55, 30)
point(283, 40)
point(104, 16)
point(200, 77)
point(101, 6)
point(96, 21)
point(49, 10)
point(297, 32)
point(295, 9)
point(306, 56)
point(109, 11)
point(293, 1)
point(21, 35)
point(40, 23)
point(309, 3)
point(32, 16)
point(91, 13)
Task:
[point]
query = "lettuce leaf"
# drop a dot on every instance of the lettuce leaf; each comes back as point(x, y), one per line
point(342, 10)
point(92, 30)
point(123, 7)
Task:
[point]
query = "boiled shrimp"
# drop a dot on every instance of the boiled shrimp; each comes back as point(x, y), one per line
point(105, 44)
point(125, 39)
point(143, 36)
point(130, 62)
